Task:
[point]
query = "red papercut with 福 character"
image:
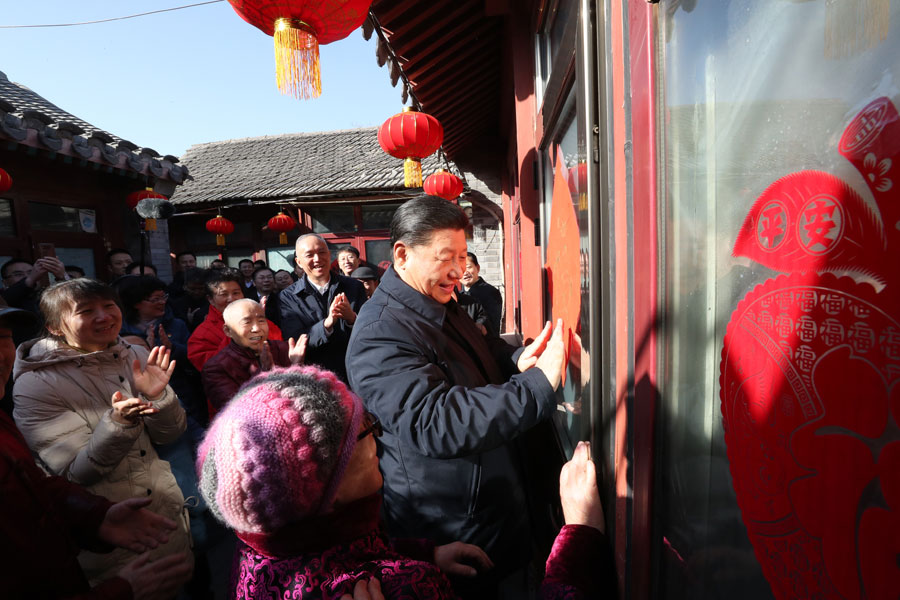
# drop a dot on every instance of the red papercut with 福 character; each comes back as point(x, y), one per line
point(809, 375)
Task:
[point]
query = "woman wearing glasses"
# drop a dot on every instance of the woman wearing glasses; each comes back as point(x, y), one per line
point(92, 407)
point(291, 465)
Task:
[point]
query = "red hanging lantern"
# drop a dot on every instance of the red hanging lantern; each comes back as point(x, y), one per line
point(413, 136)
point(221, 227)
point(443, 184)
point(5, 181)
point(134, 197)
point(299, 26)
point(282, 223)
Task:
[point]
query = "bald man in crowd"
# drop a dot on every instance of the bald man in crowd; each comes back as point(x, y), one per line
point(249, 351)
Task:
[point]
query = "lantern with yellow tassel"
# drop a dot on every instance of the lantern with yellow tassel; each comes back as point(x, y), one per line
point(282, 223)
point(299, 28)
point(413, 136)
point(221, 227)
point(134, 197)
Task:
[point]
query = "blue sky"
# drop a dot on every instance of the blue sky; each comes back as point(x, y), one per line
point(171, 80)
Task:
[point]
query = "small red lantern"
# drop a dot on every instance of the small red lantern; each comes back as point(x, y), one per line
point(134, 197)
point(443, 184)
point(299, 26)
point(282, 223)
point(5, 181)
point(411, 135)
point(221, 227)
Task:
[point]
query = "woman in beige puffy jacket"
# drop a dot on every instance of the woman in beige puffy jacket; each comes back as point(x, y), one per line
point(89, 405)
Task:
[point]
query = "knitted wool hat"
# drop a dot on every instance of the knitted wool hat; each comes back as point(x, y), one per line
point(277, 452)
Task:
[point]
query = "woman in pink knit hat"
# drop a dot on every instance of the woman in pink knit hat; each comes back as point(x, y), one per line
point(291, 465)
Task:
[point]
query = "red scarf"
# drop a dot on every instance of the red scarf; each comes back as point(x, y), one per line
point(318, 533)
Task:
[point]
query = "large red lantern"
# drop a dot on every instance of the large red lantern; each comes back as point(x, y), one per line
point(134, 197)
point(299, 26)
point(413, 136)
point(5, 181)
point(282, 223)
point(221, 227)
point(443, 184)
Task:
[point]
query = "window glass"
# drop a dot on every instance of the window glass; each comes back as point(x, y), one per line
point(7, 225)
point(758, 94)
point(565, 238)
point(205, 258)
point(280, 258)
point(236, 255)
point(378, 251)
point(53, 217)
point(378, 216)
point(79, 257)
point(331, 219)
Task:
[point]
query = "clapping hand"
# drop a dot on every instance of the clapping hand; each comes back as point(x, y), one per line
point(164, 339)
point(296, 351)
point(341, 308)
point(157, 580)
point(152, 380)
point(127, 411)
point(128, 524)
point(265, 357)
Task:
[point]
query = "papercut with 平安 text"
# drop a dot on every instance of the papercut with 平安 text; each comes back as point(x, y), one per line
point(810, 375)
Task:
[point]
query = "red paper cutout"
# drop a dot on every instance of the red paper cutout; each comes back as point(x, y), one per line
point(564, 256)
point(809, 377)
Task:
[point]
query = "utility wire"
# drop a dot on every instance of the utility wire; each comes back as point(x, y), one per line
point(152, 12)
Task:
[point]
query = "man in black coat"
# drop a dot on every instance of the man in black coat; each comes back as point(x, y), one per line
point(482, 292)
point(451, 401)
point(321, 304)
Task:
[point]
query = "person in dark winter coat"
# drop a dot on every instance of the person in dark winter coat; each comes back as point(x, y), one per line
point(191, 305)
point(451, 400)
point(482, 292)
point(322, 305)
point(247, 354)
point(291, 465)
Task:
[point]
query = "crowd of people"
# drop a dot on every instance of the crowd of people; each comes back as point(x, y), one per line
point(354, 430)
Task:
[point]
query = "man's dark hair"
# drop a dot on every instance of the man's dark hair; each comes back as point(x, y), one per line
point(115, 251)
point(474, 258)
point(216, 277)
point(133, 289)
point(351, 249)
point(259, 264)
point(416, 220)
point(75, 268)
point(217, 260)
point(143, 270)
point(185, 253)
point(12, 261)
point(245, 260)
point(260, 270)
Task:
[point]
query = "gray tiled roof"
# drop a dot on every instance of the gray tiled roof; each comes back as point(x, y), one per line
point(294, 165)
point(30, 119)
